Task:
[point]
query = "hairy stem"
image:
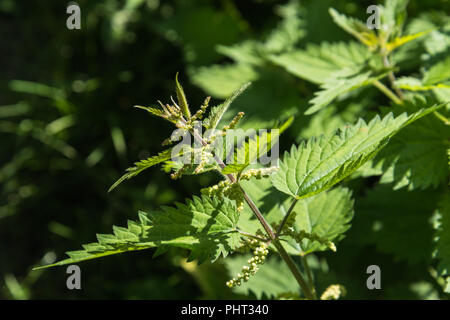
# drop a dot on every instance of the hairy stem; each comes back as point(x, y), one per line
point(259, 215)
point(294, 269)
point(391, 77)
point(280, 228)
point(272, 236)
point(309, 275)
point(253, 236)
point(387, 92)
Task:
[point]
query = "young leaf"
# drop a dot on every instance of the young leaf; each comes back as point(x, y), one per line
point(182, 101)
point(399, 41)
point(142, 165)
point(155, 111)
point(217, 112)
point(320, 163)
point(393, 16)
point(355, 27)
point(206, 226)
point(414, 84)
point(254, 148)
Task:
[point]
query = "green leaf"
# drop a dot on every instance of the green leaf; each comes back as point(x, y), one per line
point(399, 41)
point(282, 39)
point(442, 95)
point(221, 81)
point(254, 148)
point(355, 27)
point(243, 53)
point(339, 83)
point(197, 28)
point(320, 163)
point(442, 252)
point(318, 62)
point(182, 101)
point(142, 165)
point(417, 156)
point(289, 31)
point(329, 119)
point(217, 112)
point(414, 84)
point(272, 279)
point(439, 72)
point(269, 200)
point(396, 222)
point(436, 79)
point(155, 111)
point(327, 215)
point(236, 167)
point(272, 97)
point(393, 16)
point(438, 41)
point(206, 226)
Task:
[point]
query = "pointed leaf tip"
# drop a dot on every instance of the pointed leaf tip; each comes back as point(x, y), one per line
point(182, 101)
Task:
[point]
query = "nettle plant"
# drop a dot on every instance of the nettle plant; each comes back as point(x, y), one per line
point(268, 216)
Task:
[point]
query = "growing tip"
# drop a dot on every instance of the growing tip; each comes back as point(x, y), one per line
point(182, 101)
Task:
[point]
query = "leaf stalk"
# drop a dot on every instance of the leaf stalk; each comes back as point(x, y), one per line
point(387, 92)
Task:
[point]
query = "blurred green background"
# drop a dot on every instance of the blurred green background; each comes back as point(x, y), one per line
point(68, 131)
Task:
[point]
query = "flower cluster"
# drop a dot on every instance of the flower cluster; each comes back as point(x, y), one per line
point(288, 224)
point(247, 244)
point(205, 158)
point(259, 256)
point(200, 112)
point(258, 173)
point(234, 122)
point(302, 234)
point(228, 189)
point(333, 292)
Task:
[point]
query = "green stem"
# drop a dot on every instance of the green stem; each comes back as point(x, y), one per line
point(309, 275)
point(294, 269)
point(387, 92)
point(391, 77)
point(280, 228)
point(282, 252)
point(254, 236)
